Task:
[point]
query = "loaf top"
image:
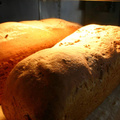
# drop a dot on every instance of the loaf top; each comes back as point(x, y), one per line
point(101, 39)
point(8, 30)
point(26, 34)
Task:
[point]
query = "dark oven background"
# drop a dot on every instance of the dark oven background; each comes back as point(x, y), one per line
point(83, 12)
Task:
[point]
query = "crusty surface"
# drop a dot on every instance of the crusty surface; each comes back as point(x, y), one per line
point(67, 81)
point(19, 40)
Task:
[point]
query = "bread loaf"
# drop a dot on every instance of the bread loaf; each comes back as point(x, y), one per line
point(19, 40)
point(67, 81)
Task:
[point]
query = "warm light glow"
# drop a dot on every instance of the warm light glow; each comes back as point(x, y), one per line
point(80, 37)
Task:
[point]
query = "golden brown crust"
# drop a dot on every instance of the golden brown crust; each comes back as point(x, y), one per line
point(19, 40)
point(65, 82)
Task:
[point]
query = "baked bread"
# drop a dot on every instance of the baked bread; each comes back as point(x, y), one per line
point(67, 81)
point(19, 40)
